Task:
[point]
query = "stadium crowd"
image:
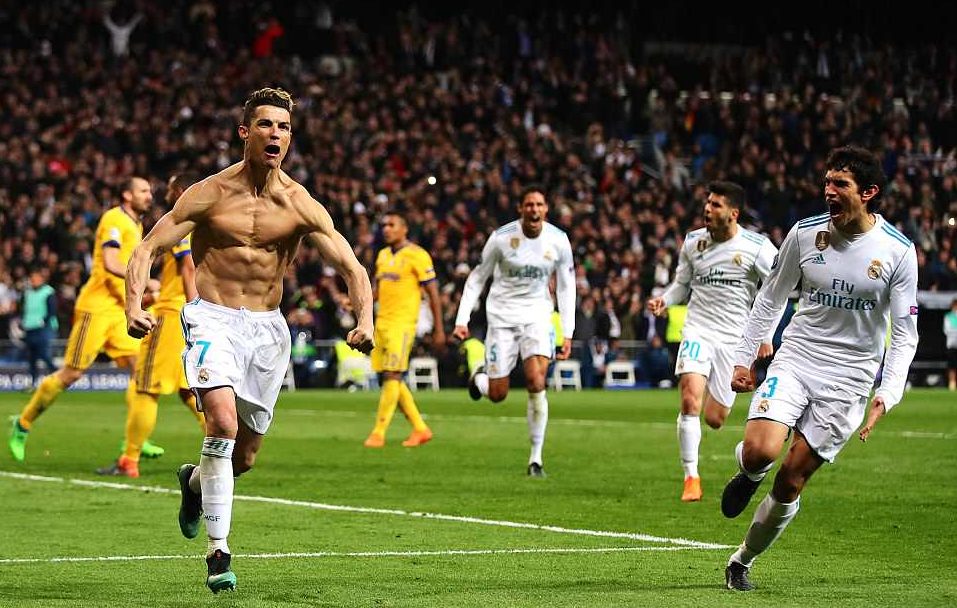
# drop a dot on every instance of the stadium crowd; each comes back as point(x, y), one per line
point(446, 120)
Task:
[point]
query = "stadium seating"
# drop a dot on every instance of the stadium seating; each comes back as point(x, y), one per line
point(423, 370)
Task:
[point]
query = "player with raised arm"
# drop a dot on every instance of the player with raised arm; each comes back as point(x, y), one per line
point(520, 257)
point(247, 222)
point(857, 273)
point(721, 265)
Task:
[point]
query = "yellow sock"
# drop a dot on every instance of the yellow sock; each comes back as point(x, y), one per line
point(388, 399)
point(200, 417)
point(407, 403)
point(46, 393)
point(140, 420)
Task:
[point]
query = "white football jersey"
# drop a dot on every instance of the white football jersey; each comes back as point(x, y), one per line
point(520, 268)
point(850, 288)
point(723, 278)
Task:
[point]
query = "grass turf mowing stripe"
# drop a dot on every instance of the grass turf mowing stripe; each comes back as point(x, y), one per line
point(327, 554)
point(379, 511)
point(584, 422)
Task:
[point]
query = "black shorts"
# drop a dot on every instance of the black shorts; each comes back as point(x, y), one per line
point(952, 358)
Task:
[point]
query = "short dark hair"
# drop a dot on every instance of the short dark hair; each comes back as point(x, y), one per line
point(266, 97)
point(731, 191)
point(184, 179)
point(128, 184)
point(532, 188)
point(397, 215)
point(864, 165)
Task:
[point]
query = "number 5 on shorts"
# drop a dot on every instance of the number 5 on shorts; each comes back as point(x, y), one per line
point(202, 354)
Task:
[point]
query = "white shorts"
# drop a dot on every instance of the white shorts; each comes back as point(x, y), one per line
point(245, 350)
point(713, 361)
point(826, 414)
point(504, 344)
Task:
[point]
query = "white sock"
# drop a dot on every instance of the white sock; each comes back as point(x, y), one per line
point(770, 519)
point(481, 381)
point(689, 439)
point(537, 421)
point(216, 480)
point(739, 456)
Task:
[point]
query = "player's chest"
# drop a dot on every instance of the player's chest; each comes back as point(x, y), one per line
point(391, 267)
point(717, 263)
point(524, 259)
point(863, 275)
point(253, 221)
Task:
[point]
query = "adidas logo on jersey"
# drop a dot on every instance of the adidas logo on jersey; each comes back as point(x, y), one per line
point(818, 259)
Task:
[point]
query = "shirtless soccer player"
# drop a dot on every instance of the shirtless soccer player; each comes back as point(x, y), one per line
point(247, 222)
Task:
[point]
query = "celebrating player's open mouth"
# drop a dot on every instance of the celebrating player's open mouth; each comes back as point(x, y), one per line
point(835, 209)
point(272, 151)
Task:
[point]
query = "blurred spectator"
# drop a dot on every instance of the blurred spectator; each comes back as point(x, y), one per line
point(38, 320)
point(445, 118)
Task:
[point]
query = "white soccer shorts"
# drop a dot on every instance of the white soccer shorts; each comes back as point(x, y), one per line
point(805, 400)
point(248, 351)
point(713, 361)
point(503, 345)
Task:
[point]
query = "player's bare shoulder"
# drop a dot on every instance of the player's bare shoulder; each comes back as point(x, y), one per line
point(312, 214)
point(197, 200)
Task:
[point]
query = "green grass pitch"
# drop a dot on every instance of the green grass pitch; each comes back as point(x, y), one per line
point(322, 521)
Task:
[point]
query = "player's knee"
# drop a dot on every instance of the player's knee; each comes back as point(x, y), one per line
point(535, 385)
point(496, 394)
point(690, 403)
point(758, 453)
point(714, 420)
point(243, 462)
point(716, 416)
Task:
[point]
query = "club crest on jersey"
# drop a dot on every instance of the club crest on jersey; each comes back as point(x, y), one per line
point(203, 375)
point(548, 255)
point(822, 240)
point(763, 405)
point(875, 269)
point(702, 245)
point(513, 242)
point(737, 260)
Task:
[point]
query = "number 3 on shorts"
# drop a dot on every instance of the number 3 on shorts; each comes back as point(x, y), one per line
point(771, 384)
point(202, 354)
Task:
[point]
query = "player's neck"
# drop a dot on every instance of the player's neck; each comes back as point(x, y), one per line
point(128, 210)
point(258, 176)
point(858, 225)
point(530, 232)
point(729, 232)
point(398, 245)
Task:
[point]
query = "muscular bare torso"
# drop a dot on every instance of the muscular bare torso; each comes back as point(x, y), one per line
point(244, 243)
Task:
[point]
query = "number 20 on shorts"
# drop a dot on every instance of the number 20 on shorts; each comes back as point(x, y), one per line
point(690, 349)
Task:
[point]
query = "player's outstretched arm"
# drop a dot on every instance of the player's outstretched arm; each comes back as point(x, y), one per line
point(169, 230)
point(336, 252)
point(473, 288)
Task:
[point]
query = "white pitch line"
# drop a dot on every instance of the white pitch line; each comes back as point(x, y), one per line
point(324, 554)
point(585, 422)
point(379, 511)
